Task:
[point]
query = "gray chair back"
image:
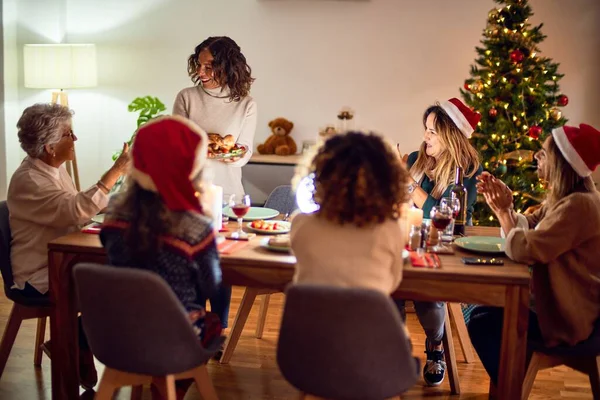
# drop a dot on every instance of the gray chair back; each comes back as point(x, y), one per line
point(5, 238)
point(282, 199)
point(344, 343)
point(134, 322)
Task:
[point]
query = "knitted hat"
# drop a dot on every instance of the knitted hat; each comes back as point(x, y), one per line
point(168, 153)
point(465, 119)
point(580, 147)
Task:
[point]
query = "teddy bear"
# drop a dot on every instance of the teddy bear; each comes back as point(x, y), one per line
point(280, 142)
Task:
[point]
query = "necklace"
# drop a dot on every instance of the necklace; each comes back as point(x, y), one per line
point(212, 95)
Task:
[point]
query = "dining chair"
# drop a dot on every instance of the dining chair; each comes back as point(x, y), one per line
point(583, 357)
point(23, 308)
point(139, 330)
point(283, 200)
point(344, 343)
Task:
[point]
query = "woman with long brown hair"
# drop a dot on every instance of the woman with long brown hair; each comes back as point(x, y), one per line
point(220, 103)
point(448, 127)
point(561, 240)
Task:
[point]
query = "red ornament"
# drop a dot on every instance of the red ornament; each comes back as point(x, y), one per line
point(535, 132)
point(517, 56)
point(467, 86)
point(493, 112)
point(563, 100)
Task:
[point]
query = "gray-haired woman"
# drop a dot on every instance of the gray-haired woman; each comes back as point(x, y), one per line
point(42, 200)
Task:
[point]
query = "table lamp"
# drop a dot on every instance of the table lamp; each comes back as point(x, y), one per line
point(60, 67)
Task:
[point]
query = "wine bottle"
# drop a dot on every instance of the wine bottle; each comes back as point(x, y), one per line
point(460, 192)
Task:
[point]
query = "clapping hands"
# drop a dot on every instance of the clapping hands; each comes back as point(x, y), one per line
point(497, 195)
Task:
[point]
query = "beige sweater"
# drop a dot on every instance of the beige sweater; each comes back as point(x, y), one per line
point(564, 249)
point(347, 256)
point(43, 205)
point(214, 113)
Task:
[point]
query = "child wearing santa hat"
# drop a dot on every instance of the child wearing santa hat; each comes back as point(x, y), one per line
point(158, 223)
point(561, 240)
point(448, 127)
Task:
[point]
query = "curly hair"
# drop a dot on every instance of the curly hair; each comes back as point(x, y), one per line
point(39, 125)
point(229, 66)
point(359, 180)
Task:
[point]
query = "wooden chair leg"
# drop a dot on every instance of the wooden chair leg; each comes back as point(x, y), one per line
point(39, 340)
point(493, 392)
point(450, 355)
point(136, 392)
point(463, 335)
point(532, 370)
point(594, 375)
point(10, 333)
point(108, 385)
point(166, 386)
point(262, 315)
point(238, 324)
point(204, 384)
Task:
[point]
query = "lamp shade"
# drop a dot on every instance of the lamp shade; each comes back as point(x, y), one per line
point(59, 66)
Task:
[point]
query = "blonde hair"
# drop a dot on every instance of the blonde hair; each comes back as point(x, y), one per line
point(561, 177)
point(457, 151)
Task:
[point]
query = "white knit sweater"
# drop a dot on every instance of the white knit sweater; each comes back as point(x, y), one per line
point(212, 110)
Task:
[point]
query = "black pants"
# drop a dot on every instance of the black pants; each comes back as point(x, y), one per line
point(32, 293)
point(485, 331)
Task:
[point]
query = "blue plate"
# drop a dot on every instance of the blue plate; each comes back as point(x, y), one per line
point(253, 214)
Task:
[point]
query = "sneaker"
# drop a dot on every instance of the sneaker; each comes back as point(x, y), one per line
point(435, 366)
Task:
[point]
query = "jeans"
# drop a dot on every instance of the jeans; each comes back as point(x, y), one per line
point(219, 304)
point(431, 316)
point(485, 331)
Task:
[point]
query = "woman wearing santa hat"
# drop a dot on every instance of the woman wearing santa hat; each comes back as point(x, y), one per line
point(561, 240)
point(158, 223)
point(448, 127)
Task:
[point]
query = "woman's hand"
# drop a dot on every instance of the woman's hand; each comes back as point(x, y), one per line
point(122, 163)
point(229, 160)
point(119, 168)
point(403, 157)
point(497, 195)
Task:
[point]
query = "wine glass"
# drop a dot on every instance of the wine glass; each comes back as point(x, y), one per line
point(454, 204)
point(240, 205)
point(441, 216)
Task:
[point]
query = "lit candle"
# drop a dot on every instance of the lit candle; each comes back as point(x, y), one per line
point(415, 216)
point(212, 203)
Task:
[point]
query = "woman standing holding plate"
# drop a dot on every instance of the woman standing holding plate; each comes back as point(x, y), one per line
point(220, 103)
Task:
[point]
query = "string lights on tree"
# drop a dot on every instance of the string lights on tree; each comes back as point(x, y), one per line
point(515, 88)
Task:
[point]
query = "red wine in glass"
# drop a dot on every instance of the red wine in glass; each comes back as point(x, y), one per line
point(441, 221)
point(455, 212)
point(240, 210)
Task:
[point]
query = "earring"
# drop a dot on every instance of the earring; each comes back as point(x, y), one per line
point(53, 154)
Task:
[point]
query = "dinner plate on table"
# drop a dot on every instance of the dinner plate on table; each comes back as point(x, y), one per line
point(482, 244)
point(253, 214)
point(99, 218)
point(268, 227)
point(278, 249)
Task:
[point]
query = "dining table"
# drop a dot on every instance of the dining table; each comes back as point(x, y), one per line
point(263, 271)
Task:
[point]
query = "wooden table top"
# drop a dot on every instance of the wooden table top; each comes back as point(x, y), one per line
point(255, 256)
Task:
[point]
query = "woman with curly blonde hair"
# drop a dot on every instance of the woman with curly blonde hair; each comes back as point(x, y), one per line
point(355, 238)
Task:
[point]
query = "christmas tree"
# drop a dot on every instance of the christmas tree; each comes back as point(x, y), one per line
point(516, 91)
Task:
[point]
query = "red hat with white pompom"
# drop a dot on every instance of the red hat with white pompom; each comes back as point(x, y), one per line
point(580, 147)
point(465, 119)
point(168, 154)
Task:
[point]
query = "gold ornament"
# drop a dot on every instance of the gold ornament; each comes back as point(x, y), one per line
point(556, 114)
point(476, 87)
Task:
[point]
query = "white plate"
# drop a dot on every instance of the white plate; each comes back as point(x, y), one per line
point(284, 227)
point(253, 214)
point(279, 249)
point(98, 218)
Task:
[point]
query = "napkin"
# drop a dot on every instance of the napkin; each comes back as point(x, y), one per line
point(231, 246)
point(92, 228)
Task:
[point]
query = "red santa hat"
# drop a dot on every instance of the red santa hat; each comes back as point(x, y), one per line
point(465, 119)
point(168, 154)
point(580, 147)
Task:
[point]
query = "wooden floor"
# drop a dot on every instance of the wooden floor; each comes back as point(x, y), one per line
point(253, 372)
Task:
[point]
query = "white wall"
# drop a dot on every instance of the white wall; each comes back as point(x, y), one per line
point(387, 59)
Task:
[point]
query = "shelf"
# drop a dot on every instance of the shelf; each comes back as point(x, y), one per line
point(272, 159)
